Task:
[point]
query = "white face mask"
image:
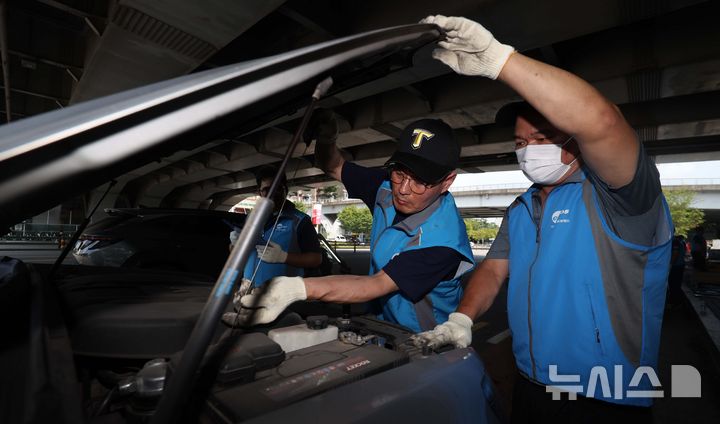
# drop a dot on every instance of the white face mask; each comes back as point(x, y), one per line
point(541, 162)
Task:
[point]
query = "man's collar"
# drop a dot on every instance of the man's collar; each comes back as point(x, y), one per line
point(576, 177)
point(412, 222)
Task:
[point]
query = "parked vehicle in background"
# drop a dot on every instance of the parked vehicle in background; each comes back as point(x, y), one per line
point(192, 240)
point(332, 263)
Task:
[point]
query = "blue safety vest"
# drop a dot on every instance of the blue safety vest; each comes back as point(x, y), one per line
point(437, 225)
point(284, 234)
point(580, 297)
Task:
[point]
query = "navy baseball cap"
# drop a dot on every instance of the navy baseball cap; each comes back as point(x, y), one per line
point(428, 149)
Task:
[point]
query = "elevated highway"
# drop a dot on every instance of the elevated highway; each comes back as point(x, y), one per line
point(490, 201)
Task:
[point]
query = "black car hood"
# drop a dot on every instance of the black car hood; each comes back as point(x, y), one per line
point(53, 157)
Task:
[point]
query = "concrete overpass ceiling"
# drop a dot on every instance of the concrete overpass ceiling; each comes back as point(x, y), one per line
point(146, 41)
point(659, 60)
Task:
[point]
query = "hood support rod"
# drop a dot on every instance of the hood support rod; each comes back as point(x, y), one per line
point(180, 383)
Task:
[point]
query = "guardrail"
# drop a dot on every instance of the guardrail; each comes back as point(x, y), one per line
point(40, 232)
point(663, 181)
point(489, 187)
point(690, 181)
point(348, 244)
point(524, 185)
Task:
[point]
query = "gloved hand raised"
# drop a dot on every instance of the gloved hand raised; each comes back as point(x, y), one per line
point(457, 330)
point(323, 127)
point(273, 253)
point(469, 48)
point(264, 304)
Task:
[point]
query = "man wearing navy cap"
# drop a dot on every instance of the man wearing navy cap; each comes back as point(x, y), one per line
point(419, 245)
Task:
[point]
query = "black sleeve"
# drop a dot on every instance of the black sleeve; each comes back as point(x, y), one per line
point(632, 211)
point(417, 272)
point(362, 183)
point(307, 237)
point(500, 248)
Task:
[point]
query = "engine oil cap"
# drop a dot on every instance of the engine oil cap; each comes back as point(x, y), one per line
point(317, 322)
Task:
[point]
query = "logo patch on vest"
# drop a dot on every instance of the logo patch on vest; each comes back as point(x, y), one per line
point(420, 135)
point(560, 216)
point(282, 227)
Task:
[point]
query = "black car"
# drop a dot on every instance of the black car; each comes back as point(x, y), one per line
point(192, 240)
point(119, 344)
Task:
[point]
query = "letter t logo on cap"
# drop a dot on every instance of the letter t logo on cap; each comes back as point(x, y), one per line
point(420, 135)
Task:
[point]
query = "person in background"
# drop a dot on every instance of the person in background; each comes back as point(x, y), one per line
point(61, 240)
point(677, 269)
point(288, 243)
point(235, 233)
point(698, 249)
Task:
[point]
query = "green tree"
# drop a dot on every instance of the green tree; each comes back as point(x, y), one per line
point(684, 217)
point(356, 220)
point(480, 229)
point(302, 207)
point(328, 192)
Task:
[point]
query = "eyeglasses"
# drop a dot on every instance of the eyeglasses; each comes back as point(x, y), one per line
point(418, 187)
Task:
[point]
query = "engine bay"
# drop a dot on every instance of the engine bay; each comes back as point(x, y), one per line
point(105, 352)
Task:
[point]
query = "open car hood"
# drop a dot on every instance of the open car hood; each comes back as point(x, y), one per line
point(52, 157)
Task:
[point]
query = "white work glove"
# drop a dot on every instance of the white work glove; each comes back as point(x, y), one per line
point(264, 304)
point(245, 286)
point(457, 330)
point(231, 318)
point(469, 48)
point(272, 254)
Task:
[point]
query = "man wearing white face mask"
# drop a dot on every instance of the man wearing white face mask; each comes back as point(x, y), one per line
point(585, 248)
point(542, 163)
